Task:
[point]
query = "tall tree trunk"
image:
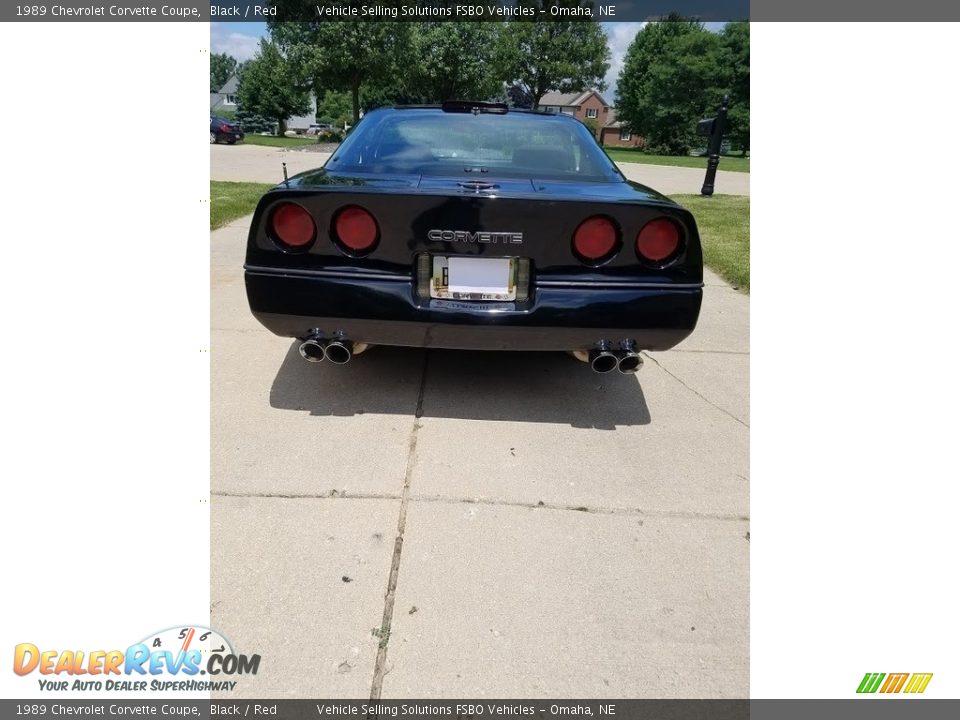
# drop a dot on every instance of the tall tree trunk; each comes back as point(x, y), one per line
point(355, 88)
point(281, 126)
point(538, 91)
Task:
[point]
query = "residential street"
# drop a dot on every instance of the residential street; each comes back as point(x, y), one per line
point(518, 525)
point(256, 163)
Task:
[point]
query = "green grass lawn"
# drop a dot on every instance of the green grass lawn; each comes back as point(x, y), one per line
point(727, 162)
point(724, 223)
point(278, 141)
point(230, 200)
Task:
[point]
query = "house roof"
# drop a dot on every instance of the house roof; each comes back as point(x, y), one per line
point(562, 99)
point(231, 85)
point(612, 120)
point(569, 99)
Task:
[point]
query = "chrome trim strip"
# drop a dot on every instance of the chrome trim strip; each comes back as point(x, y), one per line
point(620, 285)
point(352, 275)
point(342, 274)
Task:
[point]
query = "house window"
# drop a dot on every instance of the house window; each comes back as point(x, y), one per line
point(552, 108)
point(624, 135)
point(591, 112)
point(231, 100)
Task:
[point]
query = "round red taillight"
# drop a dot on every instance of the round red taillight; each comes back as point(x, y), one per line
point(293, 226)
point(658, 240)
point(355, 229)
point(595, 240)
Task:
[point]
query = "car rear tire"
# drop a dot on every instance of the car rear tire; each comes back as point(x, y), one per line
point(213, 138)
point(231, 142)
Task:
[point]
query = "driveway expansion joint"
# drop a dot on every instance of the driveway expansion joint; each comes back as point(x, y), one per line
point(594, 510)
point(338, 494)
point(695, 392)
point(590, 510)
point(389, 599)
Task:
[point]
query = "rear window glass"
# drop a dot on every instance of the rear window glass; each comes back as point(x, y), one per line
point(428, 142)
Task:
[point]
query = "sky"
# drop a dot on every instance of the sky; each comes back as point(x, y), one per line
point(242, 39)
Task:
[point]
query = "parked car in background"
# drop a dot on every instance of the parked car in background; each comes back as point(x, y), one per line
point(318, 128)
point(223, 130)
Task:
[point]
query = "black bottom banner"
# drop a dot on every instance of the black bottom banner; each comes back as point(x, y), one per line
point(872, 708)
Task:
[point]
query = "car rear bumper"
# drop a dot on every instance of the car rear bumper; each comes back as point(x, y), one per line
point(229, 137)
point(384, 311)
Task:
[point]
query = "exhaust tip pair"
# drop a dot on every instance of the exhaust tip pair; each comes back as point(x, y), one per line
point(316, 349)
point(603, 358)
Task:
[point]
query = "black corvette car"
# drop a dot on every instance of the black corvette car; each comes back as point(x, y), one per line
point(476, 227)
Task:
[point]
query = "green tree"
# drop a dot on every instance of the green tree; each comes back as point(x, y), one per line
point(670, 79)
point(593, 126)
point(545, 56)
point(253, 123)
point(334, 108)
point(270, 87)
point(454, 61)
point(222, 66)
point(383, 93)
point(342, 56)
point(735, 68)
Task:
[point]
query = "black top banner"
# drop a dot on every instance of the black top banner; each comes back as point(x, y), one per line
point(377, 10)
point(481, 10)
point(473, 11)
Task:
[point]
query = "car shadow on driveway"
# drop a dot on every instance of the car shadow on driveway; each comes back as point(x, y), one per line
point(535, 387)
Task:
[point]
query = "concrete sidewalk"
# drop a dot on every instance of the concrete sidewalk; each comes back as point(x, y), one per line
point(255, 163)
point(450, 524)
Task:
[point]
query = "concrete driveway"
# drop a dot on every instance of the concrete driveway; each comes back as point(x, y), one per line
point(255, 163)
point(451, 524)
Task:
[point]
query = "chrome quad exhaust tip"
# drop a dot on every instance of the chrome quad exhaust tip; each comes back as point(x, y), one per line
point(602, 359)
point(313, 349)
point(339, 351)
point(630, 360)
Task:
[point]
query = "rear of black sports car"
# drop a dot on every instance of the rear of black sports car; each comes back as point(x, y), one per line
point(472, 227)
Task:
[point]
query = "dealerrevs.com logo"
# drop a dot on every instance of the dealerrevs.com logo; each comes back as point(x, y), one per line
point(190, 658)
point(910, 683)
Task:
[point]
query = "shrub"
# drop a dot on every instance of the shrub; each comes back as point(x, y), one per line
point(330, 136)
point(253, 123)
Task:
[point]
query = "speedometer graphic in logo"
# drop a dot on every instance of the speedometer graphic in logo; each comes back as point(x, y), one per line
point(180, 640)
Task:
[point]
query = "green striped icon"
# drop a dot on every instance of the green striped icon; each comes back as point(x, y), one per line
point(895, 682)
point(871, 682)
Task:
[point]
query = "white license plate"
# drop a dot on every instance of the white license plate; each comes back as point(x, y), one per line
point(473, 278)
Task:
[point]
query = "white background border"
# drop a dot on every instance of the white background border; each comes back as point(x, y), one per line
point(854, 380)
point(105, 300)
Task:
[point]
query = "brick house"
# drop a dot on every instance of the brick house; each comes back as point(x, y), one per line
point(614, 134)
point(584, 105)
point(590, 105)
